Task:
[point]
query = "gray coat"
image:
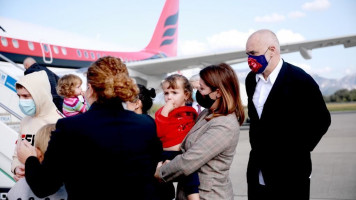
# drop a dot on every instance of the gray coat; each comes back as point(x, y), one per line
point(208, 148)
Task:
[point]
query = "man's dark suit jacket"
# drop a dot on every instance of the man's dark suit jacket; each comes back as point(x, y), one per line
point(105, 153)
point(53, 80)
point(293, 121)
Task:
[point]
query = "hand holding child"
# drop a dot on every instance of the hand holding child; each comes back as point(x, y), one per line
point(19, 172)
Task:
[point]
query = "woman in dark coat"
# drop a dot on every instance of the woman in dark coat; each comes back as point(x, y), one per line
point(105, 153)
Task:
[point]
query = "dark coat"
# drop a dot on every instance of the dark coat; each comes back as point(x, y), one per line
point(293, 121)
point(105, 153)
point(53, 80)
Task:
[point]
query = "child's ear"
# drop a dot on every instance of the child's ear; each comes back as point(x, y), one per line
point(186, 98)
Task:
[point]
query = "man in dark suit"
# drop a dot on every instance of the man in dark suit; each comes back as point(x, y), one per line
point(31, 65)
point(288, 118)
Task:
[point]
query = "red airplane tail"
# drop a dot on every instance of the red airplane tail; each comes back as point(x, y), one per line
point(164, 39)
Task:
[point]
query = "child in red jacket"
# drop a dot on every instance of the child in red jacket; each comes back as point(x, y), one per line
point(174, 120)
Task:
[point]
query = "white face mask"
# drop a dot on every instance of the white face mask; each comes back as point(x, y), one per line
point(86, 98)
point(124, 105)
point(27, 106)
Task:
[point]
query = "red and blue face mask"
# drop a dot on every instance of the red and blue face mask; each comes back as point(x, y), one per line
point(257, 64)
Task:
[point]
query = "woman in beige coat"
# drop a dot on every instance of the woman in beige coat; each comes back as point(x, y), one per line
point(209, 147)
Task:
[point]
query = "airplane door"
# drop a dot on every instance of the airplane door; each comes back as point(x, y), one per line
point(46, 53)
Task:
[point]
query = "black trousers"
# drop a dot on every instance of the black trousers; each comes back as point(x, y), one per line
point(290, 189)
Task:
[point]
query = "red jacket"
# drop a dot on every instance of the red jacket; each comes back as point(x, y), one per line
point(172, 130)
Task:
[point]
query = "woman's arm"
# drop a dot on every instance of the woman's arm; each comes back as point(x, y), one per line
point(45, 179)
point(215, 140)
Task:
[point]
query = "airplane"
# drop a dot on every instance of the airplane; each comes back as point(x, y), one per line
point(149, 65)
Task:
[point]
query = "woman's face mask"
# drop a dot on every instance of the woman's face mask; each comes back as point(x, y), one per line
point(27, 106)
point(124, 105)
point(204, 100)
point(86, 96)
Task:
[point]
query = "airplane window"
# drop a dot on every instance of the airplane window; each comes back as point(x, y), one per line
point(15, 43)
point(86, 54)
point(98, 55)
point(45, 47)
point(55, 49)
point(92, 55)
point(64, 51)
point(79, 53)
point(31, 46)
point(4, 42)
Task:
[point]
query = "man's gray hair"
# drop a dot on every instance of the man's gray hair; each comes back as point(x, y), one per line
point(195, 77)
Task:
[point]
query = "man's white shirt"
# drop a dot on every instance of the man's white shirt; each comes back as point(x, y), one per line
point(262, 90)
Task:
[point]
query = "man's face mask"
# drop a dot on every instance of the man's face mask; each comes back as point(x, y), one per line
point(27, 106)
point(257, 64)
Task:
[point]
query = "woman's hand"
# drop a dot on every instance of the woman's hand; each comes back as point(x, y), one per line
point(157, 174)
point(158, 168)
point(19, 172)
point(25, 150)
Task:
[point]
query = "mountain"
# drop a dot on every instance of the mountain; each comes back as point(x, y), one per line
point(330, 86)
point(327, 86)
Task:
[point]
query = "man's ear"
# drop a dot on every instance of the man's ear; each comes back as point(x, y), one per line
point(272, 49)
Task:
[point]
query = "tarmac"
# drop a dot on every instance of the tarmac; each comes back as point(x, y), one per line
point(334, 162)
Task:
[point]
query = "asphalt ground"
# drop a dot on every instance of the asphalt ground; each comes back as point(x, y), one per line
point(334, 162)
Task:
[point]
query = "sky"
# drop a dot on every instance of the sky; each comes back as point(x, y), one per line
point(204, 26)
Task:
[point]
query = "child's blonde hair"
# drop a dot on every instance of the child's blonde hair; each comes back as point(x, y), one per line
point(43, 136)
point(172, 81)
point(66, 85)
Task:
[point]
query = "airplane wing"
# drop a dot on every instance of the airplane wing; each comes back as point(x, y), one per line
point(166, 65)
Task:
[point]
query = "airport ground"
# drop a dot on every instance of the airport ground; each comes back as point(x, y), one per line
point(334, 162)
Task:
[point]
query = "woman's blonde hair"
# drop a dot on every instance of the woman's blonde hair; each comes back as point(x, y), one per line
point(66, 85)
point(109, 78)
point(43, 135)
point(223, 77)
